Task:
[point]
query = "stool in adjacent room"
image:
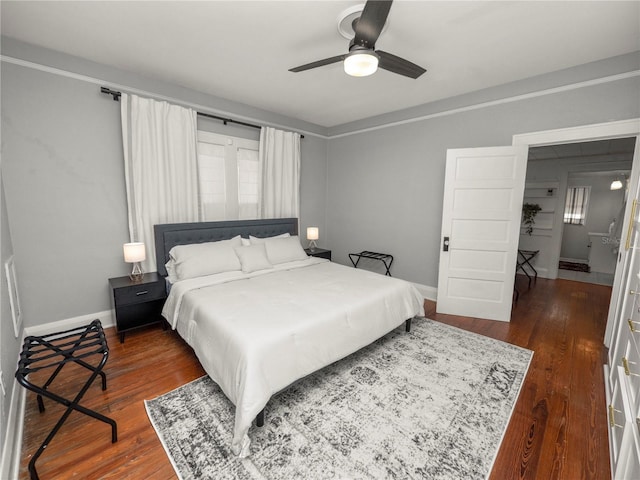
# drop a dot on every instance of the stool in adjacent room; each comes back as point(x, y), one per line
point(79, 345)
point(524, 256)
point(522, 260)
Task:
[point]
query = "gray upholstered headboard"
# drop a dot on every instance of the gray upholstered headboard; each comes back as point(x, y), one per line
point(169, 235)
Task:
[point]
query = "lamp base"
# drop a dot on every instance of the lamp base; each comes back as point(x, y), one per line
point(136, 274)
point(312, 245)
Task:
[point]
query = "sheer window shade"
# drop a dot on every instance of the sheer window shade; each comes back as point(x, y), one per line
point(211, 173)
point(229, 171)
point(248, 183)
point(575, 210)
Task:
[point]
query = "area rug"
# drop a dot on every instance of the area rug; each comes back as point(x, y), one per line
point(574, 266)
point(433, 403)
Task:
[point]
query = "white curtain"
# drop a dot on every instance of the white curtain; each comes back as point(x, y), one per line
point(161, 172)
point(280, 177)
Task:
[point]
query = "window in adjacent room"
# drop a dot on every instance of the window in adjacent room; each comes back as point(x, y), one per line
point(228, 171)
point(575, 209)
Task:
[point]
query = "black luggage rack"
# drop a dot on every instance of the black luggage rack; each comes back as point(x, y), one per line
point(383, 257)
point(56, 350)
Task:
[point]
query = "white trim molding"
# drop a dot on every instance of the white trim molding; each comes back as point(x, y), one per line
point(206, 109)
point(12, 448)
point(597, 131)
point(146, 93)
point(515, 98)
point(430, 293)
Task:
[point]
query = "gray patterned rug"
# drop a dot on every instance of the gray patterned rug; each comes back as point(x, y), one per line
point(430, 404)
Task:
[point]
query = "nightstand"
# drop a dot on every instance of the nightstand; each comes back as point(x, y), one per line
point(318, 252)
point(137, 304)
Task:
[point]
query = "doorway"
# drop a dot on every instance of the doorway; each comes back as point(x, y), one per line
point(619, 129)
point(579, 226)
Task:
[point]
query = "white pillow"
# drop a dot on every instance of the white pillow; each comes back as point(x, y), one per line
point(171, 270)
point(284, 249)
point(253, 257)
point(199, 259)
point(255, 240)
point(245, 242)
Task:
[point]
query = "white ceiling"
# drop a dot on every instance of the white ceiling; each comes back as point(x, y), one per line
point(241, 50)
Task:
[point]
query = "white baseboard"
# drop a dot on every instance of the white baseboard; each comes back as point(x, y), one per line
point(12, 447)
point(106, 318)
point(430, 293)
point(10, 460)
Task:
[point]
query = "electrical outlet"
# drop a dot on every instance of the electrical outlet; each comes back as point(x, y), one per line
point(4, 390)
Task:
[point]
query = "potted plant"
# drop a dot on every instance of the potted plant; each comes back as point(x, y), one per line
point(529, 212)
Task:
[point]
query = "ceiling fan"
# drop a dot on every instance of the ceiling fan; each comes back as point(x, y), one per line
point(363, 59)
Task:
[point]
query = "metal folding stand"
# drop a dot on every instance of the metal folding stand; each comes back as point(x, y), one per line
point(523, 259)
point(383, 257)
point(56, 350)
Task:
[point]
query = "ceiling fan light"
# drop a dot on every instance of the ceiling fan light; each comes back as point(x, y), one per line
point(616, 185)
point(361, 64)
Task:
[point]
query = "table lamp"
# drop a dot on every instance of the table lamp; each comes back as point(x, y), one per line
point(135, 253)
point(312, 236)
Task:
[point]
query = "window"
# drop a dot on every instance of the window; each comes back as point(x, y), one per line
point(228, 170)
point(248, 172)
point(211, 175)
point(575, 209)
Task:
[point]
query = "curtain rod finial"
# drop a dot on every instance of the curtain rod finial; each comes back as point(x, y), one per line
point(108, 91)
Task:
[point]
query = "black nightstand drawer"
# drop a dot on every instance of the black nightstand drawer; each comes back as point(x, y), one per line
point(139, 293)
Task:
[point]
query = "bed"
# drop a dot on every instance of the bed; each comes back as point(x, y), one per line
point(272, 315)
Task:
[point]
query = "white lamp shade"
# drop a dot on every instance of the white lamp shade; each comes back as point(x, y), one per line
point(312, 233)
point(134, 252)
point(616, 185)
point(361, 64)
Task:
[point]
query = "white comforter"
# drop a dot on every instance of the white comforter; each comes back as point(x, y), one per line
point(257, 333)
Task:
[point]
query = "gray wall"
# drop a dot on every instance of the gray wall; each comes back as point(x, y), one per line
point(378, 190)
point(385, 187)
point(64, 178)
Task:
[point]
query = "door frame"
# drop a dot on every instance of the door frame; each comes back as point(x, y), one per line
point(599, 131)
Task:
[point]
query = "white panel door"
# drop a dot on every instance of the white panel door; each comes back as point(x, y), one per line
point(481, 214)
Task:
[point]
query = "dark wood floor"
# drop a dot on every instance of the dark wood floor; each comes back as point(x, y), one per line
point(558, 429)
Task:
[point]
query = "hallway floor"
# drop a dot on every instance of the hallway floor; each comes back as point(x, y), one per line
point(597, 278)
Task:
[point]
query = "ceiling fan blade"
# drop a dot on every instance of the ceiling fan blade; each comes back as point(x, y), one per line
point(319, 63)
point(370, 23)
point(399, 65)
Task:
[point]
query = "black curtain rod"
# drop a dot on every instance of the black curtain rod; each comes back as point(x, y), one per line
point(116, 96)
